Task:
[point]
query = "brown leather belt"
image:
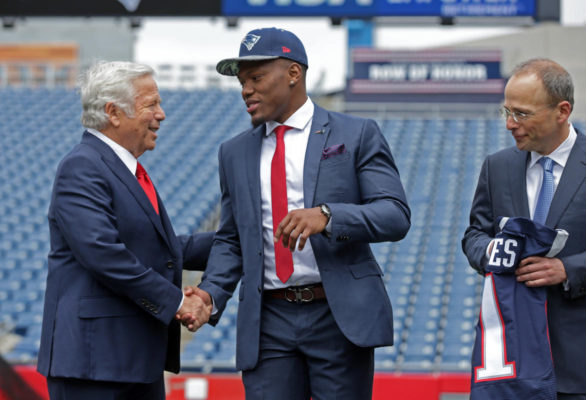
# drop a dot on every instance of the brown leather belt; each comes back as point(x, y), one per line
point(298, 294)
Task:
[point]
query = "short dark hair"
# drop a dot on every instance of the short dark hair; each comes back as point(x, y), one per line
point(556, 80)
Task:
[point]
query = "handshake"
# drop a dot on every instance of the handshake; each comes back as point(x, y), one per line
point(196, 308)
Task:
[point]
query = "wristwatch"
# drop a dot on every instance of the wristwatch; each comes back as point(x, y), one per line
point(325, 210)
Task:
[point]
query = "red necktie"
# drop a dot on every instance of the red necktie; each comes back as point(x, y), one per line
point(147, 186)
point(283, 256)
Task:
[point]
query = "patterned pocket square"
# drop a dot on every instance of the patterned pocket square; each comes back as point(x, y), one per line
point(333, 151)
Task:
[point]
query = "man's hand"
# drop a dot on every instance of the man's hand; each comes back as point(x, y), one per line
point(300, 224)
point(196, 308)
point(541, 271)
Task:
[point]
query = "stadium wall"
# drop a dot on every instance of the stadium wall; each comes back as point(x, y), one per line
point(550, 40)
point(93, 36)
point(442, 386)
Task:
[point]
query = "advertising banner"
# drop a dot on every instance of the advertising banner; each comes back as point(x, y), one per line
point(431, 75)
point(372, 8)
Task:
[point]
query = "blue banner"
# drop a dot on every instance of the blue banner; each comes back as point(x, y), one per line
point(372, 8)
point(443, 75)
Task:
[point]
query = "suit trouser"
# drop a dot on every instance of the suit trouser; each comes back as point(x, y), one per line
point(77, 389)
point(304, 354)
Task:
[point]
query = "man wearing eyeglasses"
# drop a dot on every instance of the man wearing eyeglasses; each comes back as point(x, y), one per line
point(541, 178)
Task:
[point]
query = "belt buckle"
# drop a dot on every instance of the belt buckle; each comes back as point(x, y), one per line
point(298, 295)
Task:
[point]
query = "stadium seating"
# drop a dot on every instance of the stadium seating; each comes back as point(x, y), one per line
point(435, 294)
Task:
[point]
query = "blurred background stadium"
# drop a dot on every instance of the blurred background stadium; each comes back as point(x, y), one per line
point(430, 72)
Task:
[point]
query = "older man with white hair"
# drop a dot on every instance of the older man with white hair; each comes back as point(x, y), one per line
point(114, 281)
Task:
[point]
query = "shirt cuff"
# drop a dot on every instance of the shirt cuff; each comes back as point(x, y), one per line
point(181, 304)
point(214, 308)
point(486, 252)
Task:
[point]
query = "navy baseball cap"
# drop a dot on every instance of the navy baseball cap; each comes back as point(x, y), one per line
point(265, 44)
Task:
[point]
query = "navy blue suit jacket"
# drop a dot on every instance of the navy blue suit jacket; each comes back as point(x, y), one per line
point(113, 285)
point(361, 185)
point(502, 191)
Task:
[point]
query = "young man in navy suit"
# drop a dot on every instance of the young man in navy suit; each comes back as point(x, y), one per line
point(549, 157)
point(114, 278)
point(304, 192)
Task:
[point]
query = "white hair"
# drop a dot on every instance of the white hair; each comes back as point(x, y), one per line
point(109, 82)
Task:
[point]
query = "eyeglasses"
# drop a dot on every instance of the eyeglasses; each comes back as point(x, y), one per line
point(519, 116)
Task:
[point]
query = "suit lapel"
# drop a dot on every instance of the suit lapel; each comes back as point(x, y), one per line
point(137, 191)
point(121, 171)
point(572, 177)
point(517, 172)
point(252, 156)
point(170, 237)
point(318, 137)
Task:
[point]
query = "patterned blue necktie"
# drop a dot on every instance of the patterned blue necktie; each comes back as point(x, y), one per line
point(546, 192)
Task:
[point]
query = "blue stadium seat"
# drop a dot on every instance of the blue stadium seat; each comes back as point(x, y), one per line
point(435, 294)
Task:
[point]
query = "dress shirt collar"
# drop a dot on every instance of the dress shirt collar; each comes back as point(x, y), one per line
point(124, 155)
point(298, 120)
point(559, 155)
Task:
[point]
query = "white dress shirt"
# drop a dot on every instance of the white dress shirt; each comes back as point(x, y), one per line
point(535, 170)
point(305, 269)
point(125, 156)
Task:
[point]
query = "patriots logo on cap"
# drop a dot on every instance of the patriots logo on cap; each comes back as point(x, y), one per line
point(250, 40)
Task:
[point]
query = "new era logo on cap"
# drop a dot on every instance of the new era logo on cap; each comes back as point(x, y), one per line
point(265, 44)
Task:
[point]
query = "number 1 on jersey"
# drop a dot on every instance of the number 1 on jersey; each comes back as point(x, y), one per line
point(494, 347)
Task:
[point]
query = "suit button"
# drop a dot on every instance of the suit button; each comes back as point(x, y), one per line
point(259, 289)
point(170, 264)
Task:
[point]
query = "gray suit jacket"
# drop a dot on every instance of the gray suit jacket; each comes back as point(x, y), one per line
point(501, 191)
